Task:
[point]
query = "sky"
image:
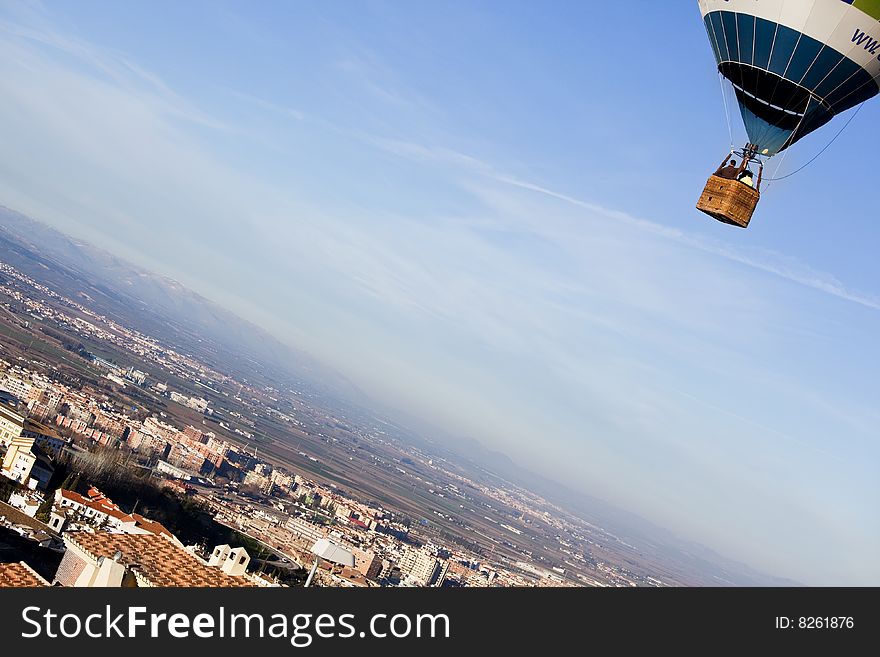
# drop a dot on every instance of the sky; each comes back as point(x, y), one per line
point(482, 213)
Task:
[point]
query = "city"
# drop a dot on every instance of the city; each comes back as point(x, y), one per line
point(276, 472)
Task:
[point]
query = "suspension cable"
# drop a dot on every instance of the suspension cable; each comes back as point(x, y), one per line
point(726, 110)
point(792, 136)
point(816, 156)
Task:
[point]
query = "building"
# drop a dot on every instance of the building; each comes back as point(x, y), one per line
point(78, 413)
point(16, 386)
point(304, 530)
point(173, 471)
point(367, 563)
point(110, 424)
point(41, 471)
point(195, 434)
point(94, 509)
point(146, 442)
point(256, 479)
point(188, 459)
point(199, 404)
point(196, 403)
point(11, 423)
point(418, 566)
point(28, 502)
point(136, 376)
point(20, 575)
point(158, 428)
point(28, 527)
point(281, 481)
point(24, 461)
point(264, 469)
point(232, 561)
point(103, 559)
point(45, 401)
point(48, 439)
point(440, 576)
point(19, 460)
point(105, 364)
point(118, 380)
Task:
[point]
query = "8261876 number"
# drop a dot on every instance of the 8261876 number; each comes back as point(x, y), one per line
point(815, 623)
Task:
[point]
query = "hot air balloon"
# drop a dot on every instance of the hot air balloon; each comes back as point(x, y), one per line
point(794, 65)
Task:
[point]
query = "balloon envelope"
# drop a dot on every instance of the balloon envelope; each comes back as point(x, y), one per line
point(794, 64)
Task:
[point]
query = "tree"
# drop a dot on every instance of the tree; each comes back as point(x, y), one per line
point(45, 508)
point(74, 484)
point(59, 476)
point(7, 487)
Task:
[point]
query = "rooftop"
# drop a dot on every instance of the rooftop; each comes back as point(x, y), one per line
point(11, 413)
point(95, 499)
point(17, 517)
point(155, 560)
point(18, 575)
point(40, 427)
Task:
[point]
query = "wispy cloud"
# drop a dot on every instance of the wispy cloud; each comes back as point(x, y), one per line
point(147, 86)
point(281, 110)
point(369, 70)
point(773, 263)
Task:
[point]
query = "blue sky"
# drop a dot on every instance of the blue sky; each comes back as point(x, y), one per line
point(482, 213)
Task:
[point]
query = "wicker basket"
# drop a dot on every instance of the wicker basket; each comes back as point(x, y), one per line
point(730, 201)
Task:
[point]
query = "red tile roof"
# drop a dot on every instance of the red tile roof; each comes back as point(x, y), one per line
point(19, 575)
point(99, 502)
point(151, 526)
point(155, 560)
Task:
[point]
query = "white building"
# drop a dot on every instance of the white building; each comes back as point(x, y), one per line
point(172, 470)
point(96, 510)
point(28, 502)
point(136, 376)
point(16, 386)
point(418, 566)
point(116, 379)
point(11, 424)
point(232, 561)
point(19, 459)
point(305, 530)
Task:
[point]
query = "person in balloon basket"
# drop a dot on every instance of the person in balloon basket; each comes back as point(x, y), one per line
point(728, 170)
point(747, 178)
point(731, 171)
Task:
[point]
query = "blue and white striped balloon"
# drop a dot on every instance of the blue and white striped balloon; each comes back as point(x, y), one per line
point(794, 64)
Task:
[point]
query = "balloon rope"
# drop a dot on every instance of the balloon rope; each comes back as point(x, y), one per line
point(793, 134)
point(816, 156)
point(726, 110)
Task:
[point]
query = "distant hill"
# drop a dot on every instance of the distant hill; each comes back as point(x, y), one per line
point(686, 555)
point(488, 466)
